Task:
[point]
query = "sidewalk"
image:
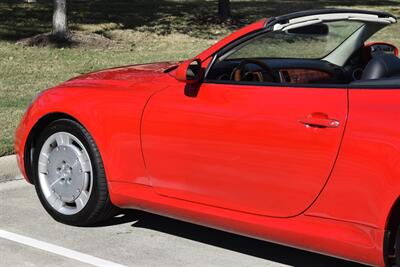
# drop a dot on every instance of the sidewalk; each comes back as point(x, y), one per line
point(9, 169)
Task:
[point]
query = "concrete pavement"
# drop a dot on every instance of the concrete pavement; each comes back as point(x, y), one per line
point(133, 239)
point(9, 169)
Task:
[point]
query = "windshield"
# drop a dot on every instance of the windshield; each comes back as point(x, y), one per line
point(297, 43)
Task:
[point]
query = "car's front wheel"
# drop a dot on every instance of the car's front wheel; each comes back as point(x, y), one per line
point(69, 175)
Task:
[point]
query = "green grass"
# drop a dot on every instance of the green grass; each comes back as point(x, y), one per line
point(26, 71)
point(143, 31)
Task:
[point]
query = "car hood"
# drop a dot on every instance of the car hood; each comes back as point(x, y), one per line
point(132, 72)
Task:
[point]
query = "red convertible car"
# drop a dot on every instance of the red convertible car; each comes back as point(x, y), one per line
point(288, 130)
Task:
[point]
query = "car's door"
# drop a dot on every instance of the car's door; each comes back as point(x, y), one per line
point(252, 148)
point(266, 146)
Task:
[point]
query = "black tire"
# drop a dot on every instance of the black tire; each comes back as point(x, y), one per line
point(99, 206)
point(397, 248)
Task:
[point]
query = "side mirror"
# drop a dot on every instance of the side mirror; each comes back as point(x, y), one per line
point(189, 71)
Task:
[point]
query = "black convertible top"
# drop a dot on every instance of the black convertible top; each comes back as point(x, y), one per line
point(285, 18)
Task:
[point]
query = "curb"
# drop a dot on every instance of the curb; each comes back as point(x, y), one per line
point(9, 169)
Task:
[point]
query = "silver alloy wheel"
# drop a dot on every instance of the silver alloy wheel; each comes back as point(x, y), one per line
point(65, 173)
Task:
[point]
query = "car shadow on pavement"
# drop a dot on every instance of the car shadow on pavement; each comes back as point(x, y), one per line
point(241, 244)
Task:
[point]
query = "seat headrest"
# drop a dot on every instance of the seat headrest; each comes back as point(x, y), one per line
point(382, 66)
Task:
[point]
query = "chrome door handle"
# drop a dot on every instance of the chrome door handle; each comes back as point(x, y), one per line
point(319, 120)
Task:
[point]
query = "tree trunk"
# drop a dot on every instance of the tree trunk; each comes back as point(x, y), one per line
point(224, 9)
point(60, 26)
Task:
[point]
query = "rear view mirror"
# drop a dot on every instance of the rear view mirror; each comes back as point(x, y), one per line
point(189, 71)
point(315, 29)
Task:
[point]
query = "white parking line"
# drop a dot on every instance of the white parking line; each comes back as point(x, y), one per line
point(65, 252)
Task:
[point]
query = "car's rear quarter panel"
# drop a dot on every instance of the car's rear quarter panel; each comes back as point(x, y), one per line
point(365, 181)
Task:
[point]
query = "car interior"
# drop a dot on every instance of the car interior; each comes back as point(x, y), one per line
point(308, 71)
point(328, 53)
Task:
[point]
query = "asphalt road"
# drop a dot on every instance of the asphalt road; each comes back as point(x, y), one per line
point(134, 239)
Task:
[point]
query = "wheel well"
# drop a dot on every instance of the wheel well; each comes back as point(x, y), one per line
point(392, 225)
point(33, 137)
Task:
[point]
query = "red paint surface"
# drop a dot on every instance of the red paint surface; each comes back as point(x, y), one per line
point(238, 158)
point(242, 147)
